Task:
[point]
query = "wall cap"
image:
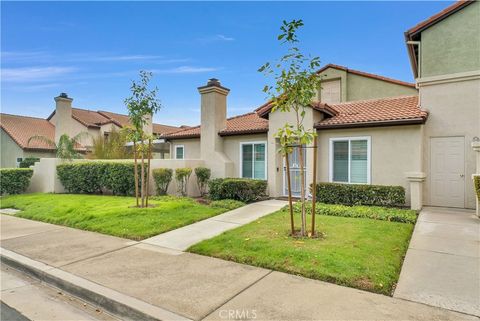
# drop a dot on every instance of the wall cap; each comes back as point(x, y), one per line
point(416, 176)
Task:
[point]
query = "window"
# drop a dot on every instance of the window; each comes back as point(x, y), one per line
point(350, 160)
point(253, 160)
point(179, 152)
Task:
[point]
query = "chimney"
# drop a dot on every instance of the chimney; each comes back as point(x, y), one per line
point(63, 115)
point(213, 117)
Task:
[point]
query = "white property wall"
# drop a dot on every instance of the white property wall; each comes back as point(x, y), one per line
point(45, 180)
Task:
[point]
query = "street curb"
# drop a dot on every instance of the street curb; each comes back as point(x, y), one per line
point(116, 303)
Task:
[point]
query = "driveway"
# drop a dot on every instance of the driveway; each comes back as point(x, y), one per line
point(441, 267)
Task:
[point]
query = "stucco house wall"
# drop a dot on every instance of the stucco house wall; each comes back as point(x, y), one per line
point(395, 151)
point(452, 45)
point(232, 148)
point(11, 151)
point(191, 147)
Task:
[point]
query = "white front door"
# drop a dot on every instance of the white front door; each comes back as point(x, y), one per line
point(295, 181)
point(447, 165)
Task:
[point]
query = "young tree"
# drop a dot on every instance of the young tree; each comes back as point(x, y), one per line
point(143, 103)
point(66, 148)
point(296, 85)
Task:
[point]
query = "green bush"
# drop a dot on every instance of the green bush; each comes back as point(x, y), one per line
point(14, 180)
point(476, 182)
point(95, 177)
point(360, 211)
point(227, 204)
point(182, 176)
point(162, 178)
point(241, 189)
point(203, 176)
point(356, 194)
point(27, 162)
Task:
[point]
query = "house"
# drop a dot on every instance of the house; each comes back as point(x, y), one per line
point(371, 129)
point(17, 130)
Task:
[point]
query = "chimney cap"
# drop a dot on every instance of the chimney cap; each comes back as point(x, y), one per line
point(213, 82)
point(63, 96)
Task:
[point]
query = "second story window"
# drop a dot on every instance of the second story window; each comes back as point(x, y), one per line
point(179, 152)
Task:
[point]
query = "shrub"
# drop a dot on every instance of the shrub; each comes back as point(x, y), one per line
point(94, 177)
point(241, 189)
point(476, 182)
point(182, 176)
point(162, 177)
point(354, 194)
point(27, 162)
point(14, 180)
point(203, 176)
point(360, 211)
point(227, 204)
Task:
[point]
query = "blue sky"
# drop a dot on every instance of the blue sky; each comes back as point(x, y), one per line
point(92, 50)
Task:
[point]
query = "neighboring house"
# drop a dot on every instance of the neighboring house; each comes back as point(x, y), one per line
point(17, 130)
point(371, 129)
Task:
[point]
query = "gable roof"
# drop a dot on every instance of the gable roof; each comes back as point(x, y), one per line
point(250, 123)
point(375, 112)
point(95, 119)
point(366, 74)
point(21, 128)
point(414, 32)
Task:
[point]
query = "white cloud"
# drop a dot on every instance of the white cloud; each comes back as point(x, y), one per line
point(215, 38)
point(25, 74)
point(185, 70)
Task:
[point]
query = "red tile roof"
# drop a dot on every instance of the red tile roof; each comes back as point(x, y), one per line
point(124, 120)
point(249, 123)
point(21, 128)
point(375, 112)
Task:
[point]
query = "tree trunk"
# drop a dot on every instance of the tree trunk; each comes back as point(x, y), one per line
point(142, 175)
point(314, 184)
point(148, 171)
point(135, 170)
point(302, 190)
point(289, 186)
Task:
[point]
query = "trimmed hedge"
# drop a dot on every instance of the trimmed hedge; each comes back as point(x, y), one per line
point(95, 177)
point(476, 183)
point(162, 177)
point(360, 211)
point(14, 180)
point(240, 189)
point(27, 162)
point(203, 176)
point(355, 194)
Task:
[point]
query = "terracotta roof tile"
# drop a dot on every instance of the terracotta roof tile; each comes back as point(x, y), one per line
point(21, 128)
point(375, 112)
point(89, 118)
point(124, 120)
point(249, 123)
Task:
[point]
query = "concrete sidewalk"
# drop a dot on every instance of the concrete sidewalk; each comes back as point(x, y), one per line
point(441, 267)
point(147, 282)
point(184, 237)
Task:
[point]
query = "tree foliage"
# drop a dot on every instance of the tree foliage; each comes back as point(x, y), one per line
point(112, 146)
point(67, 148)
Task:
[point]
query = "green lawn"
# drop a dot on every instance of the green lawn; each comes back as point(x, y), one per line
point(356, 252)
point(112, 215)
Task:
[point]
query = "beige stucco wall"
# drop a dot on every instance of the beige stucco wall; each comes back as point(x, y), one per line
point(231, 145)
point(454, 111)
point(11, 151)
point(45, 180)
point(76, 128)
point(395, 151)
point(191, 147)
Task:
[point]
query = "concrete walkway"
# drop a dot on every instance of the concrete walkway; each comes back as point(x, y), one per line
point(441, 267)
point(184, 237)
point(145, 282)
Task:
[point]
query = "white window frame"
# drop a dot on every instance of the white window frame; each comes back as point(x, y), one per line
point(175, 151)
point(349, 139)
point(240, 174)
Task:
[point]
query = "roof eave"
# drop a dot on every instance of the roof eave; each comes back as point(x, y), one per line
point(243, 132)
point(381, 123)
